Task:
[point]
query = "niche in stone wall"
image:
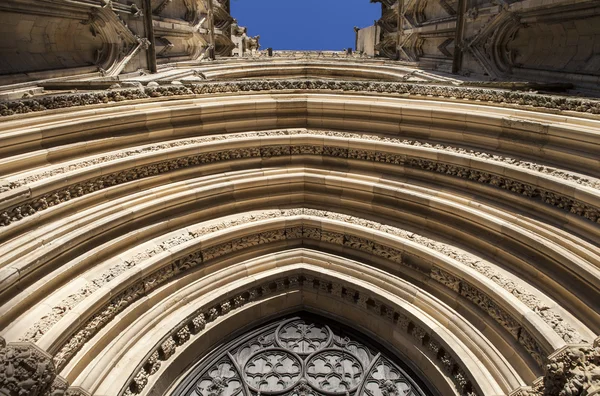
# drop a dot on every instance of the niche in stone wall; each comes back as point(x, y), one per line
point(562, 45)
point(31, 43)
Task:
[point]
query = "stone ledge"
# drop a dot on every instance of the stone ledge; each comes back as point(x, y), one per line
point(397, 88)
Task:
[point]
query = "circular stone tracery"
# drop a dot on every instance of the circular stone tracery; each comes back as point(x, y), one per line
point(386, 380)
point(221, 378)
point(298, 357)
point(272, 371)
point(334, 370)
point(303, 338)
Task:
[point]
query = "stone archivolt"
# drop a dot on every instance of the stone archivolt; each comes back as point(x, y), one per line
point(99, 279)
point(75, 165)
point(567, 332)
point(553, 198)
point(146, 216)
point(202, 318)
point(521, 308)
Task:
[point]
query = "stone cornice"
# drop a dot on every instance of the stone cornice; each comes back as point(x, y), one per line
point(483, 95)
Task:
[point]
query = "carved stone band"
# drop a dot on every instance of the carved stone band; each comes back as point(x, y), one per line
point(395, 88)
point(360, 243)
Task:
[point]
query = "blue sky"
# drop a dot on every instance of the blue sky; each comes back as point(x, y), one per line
point(305, 24)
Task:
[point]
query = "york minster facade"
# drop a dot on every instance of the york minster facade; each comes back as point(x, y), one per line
point(184, 212)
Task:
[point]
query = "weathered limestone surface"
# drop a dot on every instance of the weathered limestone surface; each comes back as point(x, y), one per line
point(113, 36)
point(541, 40)
point(25, 369)
point(437, 190)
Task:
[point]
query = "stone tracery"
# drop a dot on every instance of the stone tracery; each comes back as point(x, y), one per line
point(300, 357)
point(175, 182)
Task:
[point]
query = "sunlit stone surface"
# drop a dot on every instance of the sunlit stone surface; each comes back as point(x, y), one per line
point(170, 190)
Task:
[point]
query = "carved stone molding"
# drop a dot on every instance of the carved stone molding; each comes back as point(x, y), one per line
point(557, 200)
point(537, 167)
point(195, 259)
point(518, 98)
point(320, 55)
point(494, 310)
point(444, 359)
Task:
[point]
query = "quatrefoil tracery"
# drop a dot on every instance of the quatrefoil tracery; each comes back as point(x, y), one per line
point(303, 338)
point(273, 370)
point(303, 359)
point(334, 370)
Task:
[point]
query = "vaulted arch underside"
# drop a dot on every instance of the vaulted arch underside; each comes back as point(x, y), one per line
point(462, 235)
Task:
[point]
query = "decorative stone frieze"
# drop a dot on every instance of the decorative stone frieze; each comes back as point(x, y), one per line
point(197, 258)
point(491, 308)
point(470, 292)
point(310, 150)
point(395, 88)
point(334, 55)
point(559, 201)
point(532, 346)
point(94, 324)
point(441, 357)
point(445, 278)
